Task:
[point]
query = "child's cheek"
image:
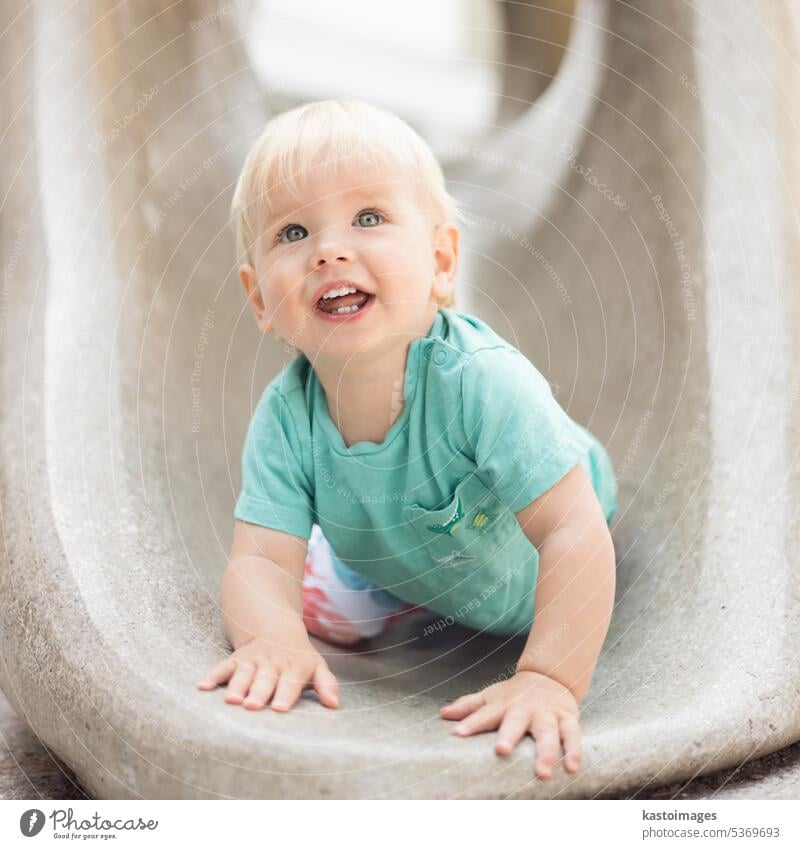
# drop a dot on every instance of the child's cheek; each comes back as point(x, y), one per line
point(276, 283)
point(272, 269)
point(402, 258)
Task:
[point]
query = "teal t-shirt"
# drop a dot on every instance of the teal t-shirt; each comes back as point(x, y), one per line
point(428, 514)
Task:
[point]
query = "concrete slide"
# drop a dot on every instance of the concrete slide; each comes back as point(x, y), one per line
point(635, 235)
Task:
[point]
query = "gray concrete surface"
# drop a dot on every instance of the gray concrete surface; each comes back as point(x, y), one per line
point(660, 307)
point(775, 776)
point(29, 771)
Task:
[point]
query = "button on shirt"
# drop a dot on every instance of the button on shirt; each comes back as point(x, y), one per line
point(427, 514)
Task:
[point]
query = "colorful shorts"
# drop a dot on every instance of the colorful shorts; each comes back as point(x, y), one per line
point(340, 605)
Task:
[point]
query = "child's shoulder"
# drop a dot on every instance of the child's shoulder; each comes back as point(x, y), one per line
point(469, 334)
point(286, 390)
point(489, 371)
point(291, 379)
point(480, 348)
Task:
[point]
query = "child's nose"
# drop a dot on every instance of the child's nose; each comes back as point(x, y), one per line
point(331, 251)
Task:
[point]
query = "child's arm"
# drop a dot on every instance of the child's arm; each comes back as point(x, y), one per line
point(262, 585)
point(262, 612)
point(575, 588)
point(573, 604)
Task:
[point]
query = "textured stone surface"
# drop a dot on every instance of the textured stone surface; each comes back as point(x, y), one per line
point(661, 311)
point(27, 769)
point(775, 776)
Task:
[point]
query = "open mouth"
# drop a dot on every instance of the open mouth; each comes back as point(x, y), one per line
point(347, 304)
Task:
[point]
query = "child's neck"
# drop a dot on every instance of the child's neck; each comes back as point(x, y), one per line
point(366, 396)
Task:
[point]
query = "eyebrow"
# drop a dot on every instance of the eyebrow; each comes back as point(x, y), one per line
point(377, 195)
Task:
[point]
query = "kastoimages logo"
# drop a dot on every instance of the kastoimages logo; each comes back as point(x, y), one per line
point(31, 822)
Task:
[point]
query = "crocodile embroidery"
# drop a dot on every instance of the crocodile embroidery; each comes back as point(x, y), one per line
point(449, 526)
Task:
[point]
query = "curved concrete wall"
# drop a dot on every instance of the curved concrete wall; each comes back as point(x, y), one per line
point(130, 366)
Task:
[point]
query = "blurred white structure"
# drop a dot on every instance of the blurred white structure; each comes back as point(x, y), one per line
point(438, 62)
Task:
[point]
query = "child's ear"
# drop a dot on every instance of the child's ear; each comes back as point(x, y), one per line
point(445, 242)
point(247, 274)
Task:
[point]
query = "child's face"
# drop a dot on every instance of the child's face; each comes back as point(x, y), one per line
point(357, 225)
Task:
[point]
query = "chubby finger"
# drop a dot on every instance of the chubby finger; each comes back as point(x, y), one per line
point(486, 718)
point(571, 737)
point(218, 675)
point(326, 685)
point(512, 729)
point(262, 687)
point(289, 687)
point(544, 729)
point(463, 706)
point(240, 682)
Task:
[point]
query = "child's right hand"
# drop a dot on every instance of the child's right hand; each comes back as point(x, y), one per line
point(262, 670)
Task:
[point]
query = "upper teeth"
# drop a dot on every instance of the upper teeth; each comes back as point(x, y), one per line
point(335, 293)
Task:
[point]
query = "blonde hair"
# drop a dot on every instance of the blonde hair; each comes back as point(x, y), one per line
point(329, 132)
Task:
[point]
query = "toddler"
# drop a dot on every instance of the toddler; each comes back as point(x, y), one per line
point(409, 457)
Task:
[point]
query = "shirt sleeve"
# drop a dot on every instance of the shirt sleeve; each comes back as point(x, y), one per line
point(276, 491)
point(522, 440)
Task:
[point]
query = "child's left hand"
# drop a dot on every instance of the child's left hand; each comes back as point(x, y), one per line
point(528, 702)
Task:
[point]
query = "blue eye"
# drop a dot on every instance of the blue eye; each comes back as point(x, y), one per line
point(288, 229)
point(366, 218)
point(370, 213)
